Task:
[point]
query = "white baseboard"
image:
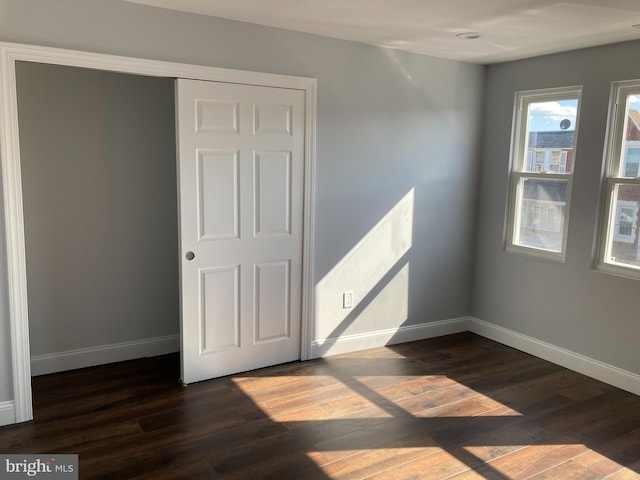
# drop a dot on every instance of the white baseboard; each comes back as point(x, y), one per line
point(391, 336)
point(606, 373)
point(87, 357)
point(7, 413)
point(117, 352)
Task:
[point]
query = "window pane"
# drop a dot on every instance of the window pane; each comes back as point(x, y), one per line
point(633, 118)
point(630, 156)
point(631, 162)
point(542, 214)
point(550, 136)
point(623, 241)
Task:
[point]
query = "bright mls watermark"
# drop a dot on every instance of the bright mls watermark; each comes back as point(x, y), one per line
point(50, 466)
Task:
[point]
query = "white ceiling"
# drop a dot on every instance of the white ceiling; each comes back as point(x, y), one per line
point(510, 29)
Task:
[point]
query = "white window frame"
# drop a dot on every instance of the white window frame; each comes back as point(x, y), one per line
point(614, 157)
point(518, 162)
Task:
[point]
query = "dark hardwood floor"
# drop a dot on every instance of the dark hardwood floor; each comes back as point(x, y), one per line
point(458, 407)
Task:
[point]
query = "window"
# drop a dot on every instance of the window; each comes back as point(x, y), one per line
point(618, 248)
point(542, 161)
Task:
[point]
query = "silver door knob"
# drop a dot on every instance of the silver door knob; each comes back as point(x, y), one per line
point(190, 256)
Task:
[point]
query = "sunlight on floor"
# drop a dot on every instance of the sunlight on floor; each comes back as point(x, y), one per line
point(368, 396)
point(506, 462)
point(387, 463)
point(336, 400)
point(522, 462)
point(430, 396)
point(386, 422)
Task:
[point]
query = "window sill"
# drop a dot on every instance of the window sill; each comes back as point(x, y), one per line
point(557, 257)
point(618, 271)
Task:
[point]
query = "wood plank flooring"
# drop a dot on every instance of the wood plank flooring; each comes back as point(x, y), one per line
point(455, 407)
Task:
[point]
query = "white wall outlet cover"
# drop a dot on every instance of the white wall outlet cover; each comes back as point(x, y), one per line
point(347, 300)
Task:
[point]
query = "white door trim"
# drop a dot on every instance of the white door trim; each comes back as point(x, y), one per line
point(12, 181)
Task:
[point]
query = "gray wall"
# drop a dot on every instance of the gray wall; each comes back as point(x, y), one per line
point(569, 305)
point(388, 122)
point(99, 189)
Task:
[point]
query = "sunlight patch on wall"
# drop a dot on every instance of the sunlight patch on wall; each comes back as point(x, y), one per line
point(382, 315)
point(360, 271)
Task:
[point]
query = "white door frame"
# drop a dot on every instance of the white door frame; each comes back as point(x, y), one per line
point(12, 181)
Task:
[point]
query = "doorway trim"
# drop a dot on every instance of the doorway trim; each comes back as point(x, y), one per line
point(10, 53)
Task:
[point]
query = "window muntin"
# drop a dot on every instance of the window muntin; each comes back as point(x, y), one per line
point(542, 163)
point(619, 247)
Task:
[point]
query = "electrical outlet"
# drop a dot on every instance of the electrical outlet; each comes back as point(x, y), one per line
point(347, 300)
